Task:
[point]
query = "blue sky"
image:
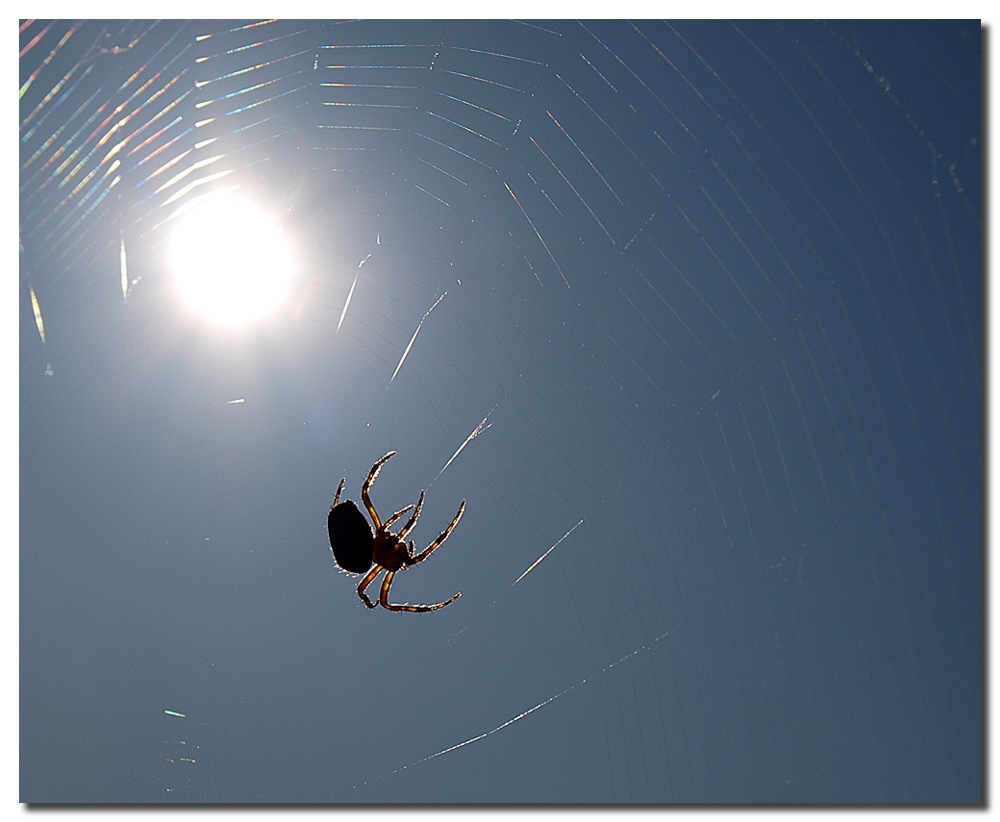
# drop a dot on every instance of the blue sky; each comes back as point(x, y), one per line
point(710, 292)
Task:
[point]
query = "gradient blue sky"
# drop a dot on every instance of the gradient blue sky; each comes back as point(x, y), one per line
point(717, 289)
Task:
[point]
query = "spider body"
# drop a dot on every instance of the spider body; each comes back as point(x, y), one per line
point(350, 538)
point(356, 549)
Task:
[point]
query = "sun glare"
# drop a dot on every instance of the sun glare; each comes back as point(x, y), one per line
point(231, 262)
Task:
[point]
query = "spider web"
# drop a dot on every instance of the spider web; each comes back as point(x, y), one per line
point(689, 313)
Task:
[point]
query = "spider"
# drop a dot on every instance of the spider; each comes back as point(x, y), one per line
point(356, 550)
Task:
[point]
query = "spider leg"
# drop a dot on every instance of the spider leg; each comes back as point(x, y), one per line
point(395, 516)
point(444, 535)
point(384, 593)
point(368, 484)
point(412, 520)
point(384, 598)
point(336, 497)
point(369, 578)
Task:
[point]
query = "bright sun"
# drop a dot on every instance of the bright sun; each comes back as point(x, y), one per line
point(231, 262)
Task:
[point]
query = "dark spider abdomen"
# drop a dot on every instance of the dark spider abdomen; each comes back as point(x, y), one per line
point(350, 537)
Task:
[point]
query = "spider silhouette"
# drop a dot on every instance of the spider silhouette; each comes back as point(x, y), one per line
point(357, 550)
